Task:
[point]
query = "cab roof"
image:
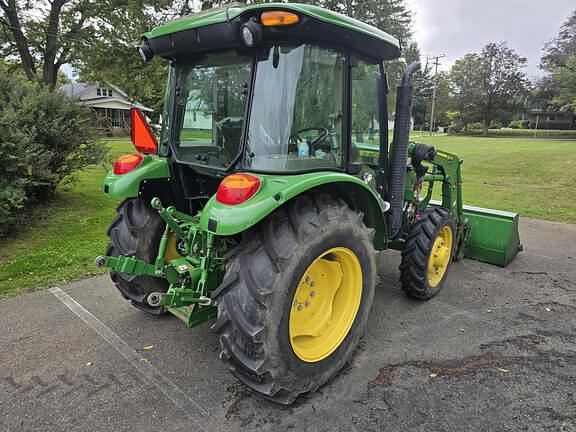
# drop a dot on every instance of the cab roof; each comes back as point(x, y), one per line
point(348, 31)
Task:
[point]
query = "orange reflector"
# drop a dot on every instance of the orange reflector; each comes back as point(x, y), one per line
point(237, 188)
point(278, 18)
point(125, 164)
point(142, 136)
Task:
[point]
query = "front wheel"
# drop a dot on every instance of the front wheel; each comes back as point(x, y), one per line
point(296, 296)
point(428, 253)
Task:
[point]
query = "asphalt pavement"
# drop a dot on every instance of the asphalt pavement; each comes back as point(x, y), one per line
point(495, 350)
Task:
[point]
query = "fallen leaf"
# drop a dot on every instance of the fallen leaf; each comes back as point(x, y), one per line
point(461, 330)
point(547, 309)
point(148, 347)
point(144, 360)
point(88, 364)
point(433, 375)
point(503, 370)
point(489, 310)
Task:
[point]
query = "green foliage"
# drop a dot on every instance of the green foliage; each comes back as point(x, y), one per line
point(559, 60)
point(488, 85)
point(519, 124)
point(423, 83)
point(44, 139)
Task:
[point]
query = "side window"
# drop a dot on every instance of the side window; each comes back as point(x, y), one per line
point(365, 116)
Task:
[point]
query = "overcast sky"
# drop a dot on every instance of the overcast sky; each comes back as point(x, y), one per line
point(457, 27)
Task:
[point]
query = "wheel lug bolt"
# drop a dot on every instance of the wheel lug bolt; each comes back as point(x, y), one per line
point(307, 303)
point(307, 278)
point(312, 284)
point(300, 307)
point(312, 293)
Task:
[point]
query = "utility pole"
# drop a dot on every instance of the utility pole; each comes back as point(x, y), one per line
point(433, 111)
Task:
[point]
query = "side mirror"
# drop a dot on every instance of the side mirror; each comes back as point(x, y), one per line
point(142, 136)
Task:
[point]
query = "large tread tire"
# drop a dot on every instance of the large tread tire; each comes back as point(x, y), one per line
point(417, 250)
point(136, 232)
point(255, 297)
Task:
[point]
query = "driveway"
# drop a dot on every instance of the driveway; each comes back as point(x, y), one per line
point(496, 350)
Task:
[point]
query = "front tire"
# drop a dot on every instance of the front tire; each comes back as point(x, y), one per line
point(428, 254)
point(136, 232)
point(312, 238)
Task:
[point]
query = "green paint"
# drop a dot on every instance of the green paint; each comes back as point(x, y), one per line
point(128, 185)
point(493, 235)
point(126, 264)
point(226, 13)
point(275, 190)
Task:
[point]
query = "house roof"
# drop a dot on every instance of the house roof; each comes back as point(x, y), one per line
point(115, 103)
point(82, 92)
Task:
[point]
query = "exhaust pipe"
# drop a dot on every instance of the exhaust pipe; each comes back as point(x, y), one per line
point(397, 171)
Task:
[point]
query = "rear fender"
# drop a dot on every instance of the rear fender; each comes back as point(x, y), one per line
point(128, 185)
point(276, 190)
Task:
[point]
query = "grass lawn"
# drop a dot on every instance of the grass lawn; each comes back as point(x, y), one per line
point(536, 179)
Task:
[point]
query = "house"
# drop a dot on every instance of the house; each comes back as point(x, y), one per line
point(548, 119)
point(198, 114)
point(110, 104)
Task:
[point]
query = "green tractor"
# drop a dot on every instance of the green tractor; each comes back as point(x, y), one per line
point(273, 185)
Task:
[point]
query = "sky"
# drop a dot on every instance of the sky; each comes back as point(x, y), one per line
point(457, 27)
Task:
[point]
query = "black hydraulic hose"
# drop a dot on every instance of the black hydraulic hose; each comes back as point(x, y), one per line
point(398, 161)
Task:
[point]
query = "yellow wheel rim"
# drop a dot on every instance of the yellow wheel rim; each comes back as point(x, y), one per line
point(440, 256)
point(325, 304)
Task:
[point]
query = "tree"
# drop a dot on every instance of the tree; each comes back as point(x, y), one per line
point(488, 86)
point(559, 61)
point(44, 43)
point(423, 83)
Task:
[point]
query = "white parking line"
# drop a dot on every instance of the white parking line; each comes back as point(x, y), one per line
point(171, 390)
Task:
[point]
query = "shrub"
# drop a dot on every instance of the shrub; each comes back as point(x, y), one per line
point(45, 138)
point(521, 133)
point(519, 124)
point(495, 124)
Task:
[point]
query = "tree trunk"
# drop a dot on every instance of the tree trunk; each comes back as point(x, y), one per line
point(11, 12)
point(486, 125)
point(50, 69)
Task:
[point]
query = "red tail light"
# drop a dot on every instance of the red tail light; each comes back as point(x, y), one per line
point(237, 188)
point(142, 136)
point(125, 164)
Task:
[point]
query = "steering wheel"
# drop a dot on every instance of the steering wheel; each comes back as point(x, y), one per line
point(324, 133)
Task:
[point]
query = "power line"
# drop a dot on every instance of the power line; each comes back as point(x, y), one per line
point(433, 113)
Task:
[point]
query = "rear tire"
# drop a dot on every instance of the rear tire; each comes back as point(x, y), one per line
point(418, 275)
point(257, 295)
point(136, 232)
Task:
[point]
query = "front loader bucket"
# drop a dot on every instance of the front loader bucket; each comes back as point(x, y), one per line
point(493, 236)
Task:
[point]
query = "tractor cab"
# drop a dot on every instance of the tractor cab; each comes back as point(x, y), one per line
point(273, 88)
